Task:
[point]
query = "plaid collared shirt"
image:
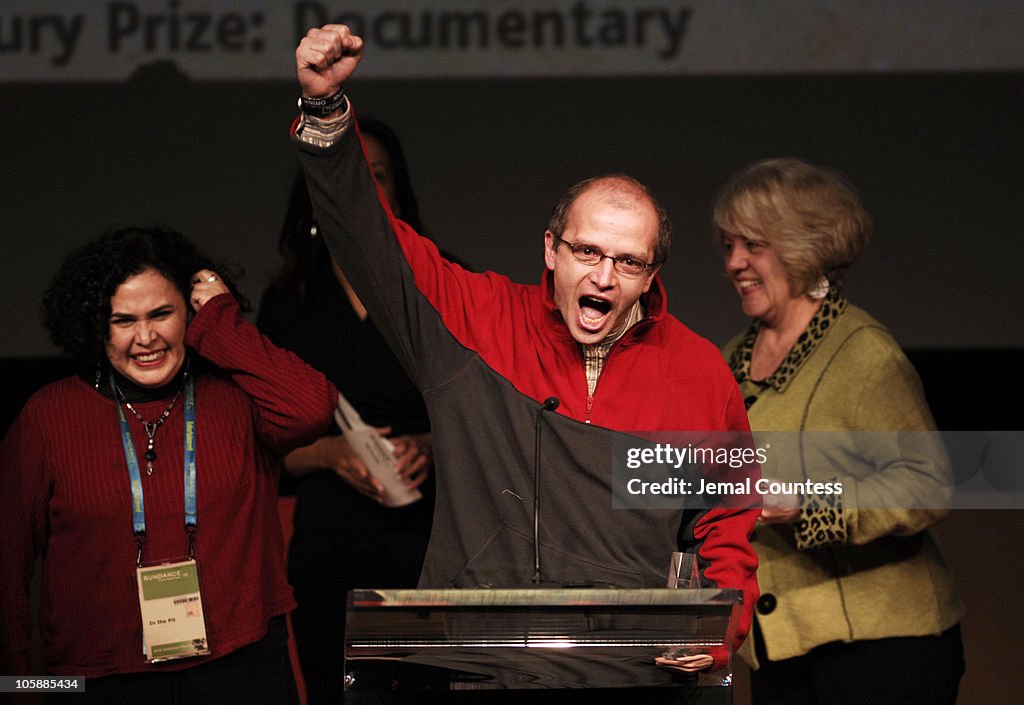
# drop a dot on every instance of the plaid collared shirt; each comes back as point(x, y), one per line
point(595, 355)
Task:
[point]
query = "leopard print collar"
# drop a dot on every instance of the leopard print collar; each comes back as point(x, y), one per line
point(831, 308)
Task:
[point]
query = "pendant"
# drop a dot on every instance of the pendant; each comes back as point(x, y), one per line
point(150, 456)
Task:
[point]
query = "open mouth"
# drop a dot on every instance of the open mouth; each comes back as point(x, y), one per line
point(749, 283)
point(149, 358)
point(593, 310)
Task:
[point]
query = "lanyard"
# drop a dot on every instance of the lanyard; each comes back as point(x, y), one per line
point(138, 506)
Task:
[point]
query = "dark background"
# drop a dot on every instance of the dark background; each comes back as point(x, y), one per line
point(937, 157)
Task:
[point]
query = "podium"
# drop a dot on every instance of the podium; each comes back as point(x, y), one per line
point(472, 646)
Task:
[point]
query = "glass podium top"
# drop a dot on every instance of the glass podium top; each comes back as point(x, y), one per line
point(531, 638)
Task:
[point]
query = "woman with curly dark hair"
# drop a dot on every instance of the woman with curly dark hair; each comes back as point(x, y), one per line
point(147, 483)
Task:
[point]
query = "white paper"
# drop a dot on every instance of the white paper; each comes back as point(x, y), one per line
point(377, 454)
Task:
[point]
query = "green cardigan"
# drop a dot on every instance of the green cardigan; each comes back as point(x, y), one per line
point(860, 565)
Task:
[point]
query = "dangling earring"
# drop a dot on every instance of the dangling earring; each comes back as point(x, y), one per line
point(314, 231)
point(99, 376)
point(820, 289)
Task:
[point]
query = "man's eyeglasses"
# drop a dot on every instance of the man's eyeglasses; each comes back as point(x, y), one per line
point(592, 255)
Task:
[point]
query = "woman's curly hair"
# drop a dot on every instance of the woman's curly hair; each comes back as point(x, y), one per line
point(76, 307)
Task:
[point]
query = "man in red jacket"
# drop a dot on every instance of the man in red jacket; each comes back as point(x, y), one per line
point(493, 358)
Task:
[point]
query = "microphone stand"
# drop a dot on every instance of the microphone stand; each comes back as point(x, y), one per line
point(549, 404)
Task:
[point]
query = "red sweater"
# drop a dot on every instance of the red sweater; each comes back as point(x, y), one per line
point(65, 495)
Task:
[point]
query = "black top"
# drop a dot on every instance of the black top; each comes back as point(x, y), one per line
point(325, 331)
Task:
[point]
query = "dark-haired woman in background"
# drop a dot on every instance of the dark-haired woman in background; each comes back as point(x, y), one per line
point(857, 604)
point(92, 480)
point(344, 537)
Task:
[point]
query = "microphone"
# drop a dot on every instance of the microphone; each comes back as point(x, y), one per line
point(549, 404)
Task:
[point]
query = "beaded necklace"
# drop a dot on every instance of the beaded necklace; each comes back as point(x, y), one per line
point(152, 426)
